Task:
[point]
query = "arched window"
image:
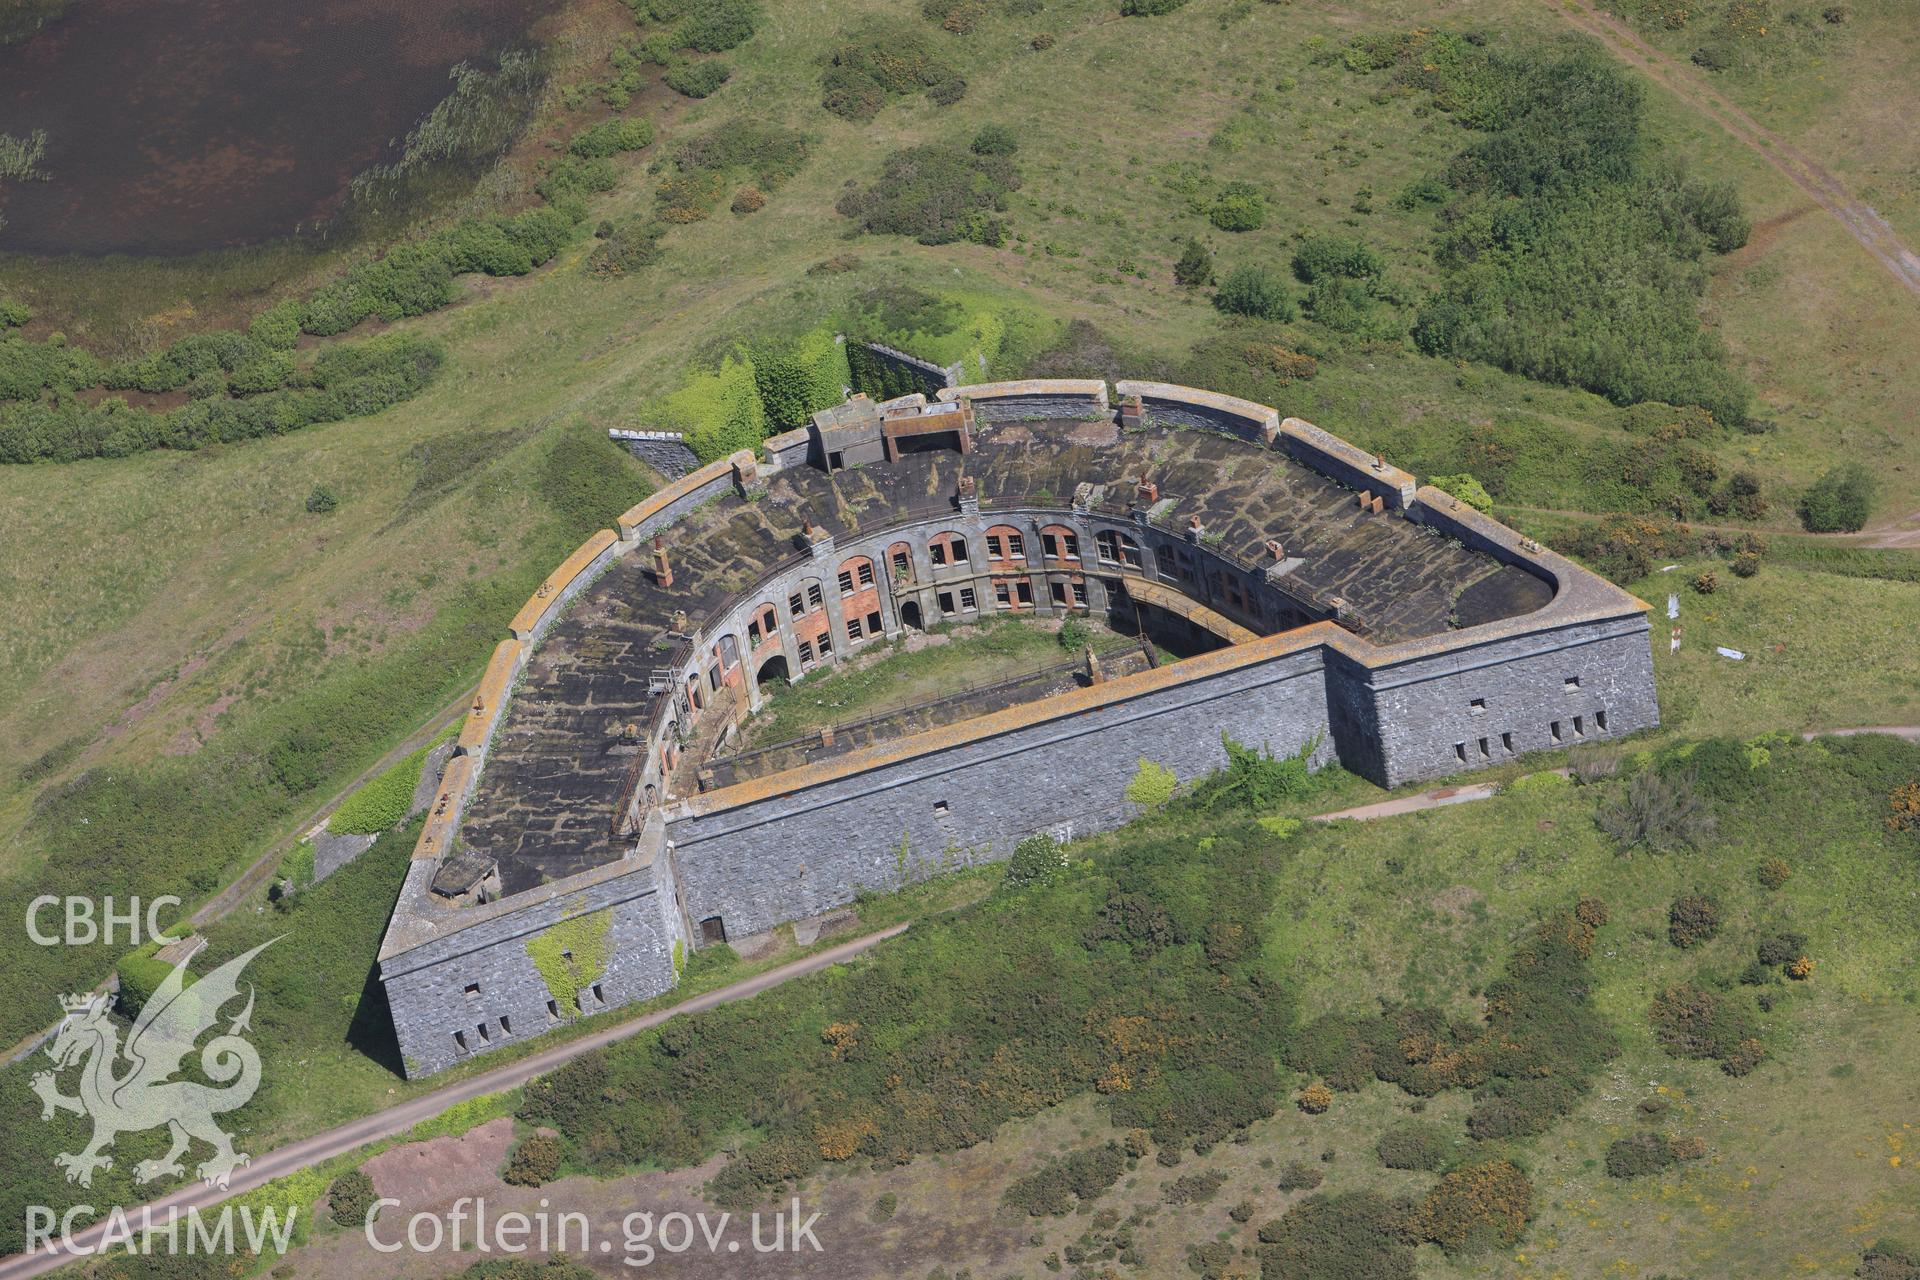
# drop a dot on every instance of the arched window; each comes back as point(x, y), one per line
point(856, 574)
point(806, 598)
point(763, 626)
point(1117, 548)
point(900, 562)
point(1004, 542)
point(1059, 542)
point(947, 549)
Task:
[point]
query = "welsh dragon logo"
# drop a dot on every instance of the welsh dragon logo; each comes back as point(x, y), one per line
point(143, 1094)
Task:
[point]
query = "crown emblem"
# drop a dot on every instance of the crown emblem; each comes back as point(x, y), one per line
point(78, 1004)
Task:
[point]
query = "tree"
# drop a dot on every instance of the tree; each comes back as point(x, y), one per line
point(1194, 270)
point(1256, 292)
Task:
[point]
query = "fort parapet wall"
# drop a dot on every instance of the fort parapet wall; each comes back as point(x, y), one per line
point(462, 978)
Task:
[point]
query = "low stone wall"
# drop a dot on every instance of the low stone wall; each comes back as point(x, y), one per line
point(665, 451)
point(483, 713)
point(1190, 406)
point(1034, 399)
point(1350, 465)
point(574, 573)
point(677, 500)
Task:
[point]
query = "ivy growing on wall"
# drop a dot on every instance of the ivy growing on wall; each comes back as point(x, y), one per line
point(571, 955)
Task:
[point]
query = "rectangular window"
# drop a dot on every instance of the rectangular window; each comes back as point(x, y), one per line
point(937, 552)
point(1478, 706)
point(995, 551)
point(846, 582)
point(1070, 543)
point(1016, 547)
point(1058, 592)
point(1080, 594)
point(865, 573)
point(806, 654)
point(942, 808)
point(753, 632)
point(553, 1011)
point(902, 564)
point(599, 996)
point(873, 623)
point(460, 1041)
point(796, 606)
point(486, 1037)
point(1506, 743)
point(1484, 753)
point(713, 678)
point(946, 603)
point(1573, 684)
point(853, 628)
point(968, 600)
point(713, 929)
point(1023, 592)
point(815, 596)
point(506, 1026)
point(1002, 595)
point(1600, 720)
point(473, 991)
point(1050, 545)
point(1554, 728)
point(1460, 752)
point(825, 643)
point(1579, 726)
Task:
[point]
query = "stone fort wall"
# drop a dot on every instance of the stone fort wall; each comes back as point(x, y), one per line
point(751, 856)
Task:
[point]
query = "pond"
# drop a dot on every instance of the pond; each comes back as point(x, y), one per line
point(177, 126)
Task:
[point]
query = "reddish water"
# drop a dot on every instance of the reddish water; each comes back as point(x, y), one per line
point(175, 126)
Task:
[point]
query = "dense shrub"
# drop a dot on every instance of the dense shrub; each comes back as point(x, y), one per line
point(1781, 948)
point(1887, 1259)
point(1340, 1237)
point(610, 137)
point(1042, 1017)
point(1194, 1188)
point(1239, 206)
point(1300, 1176)
point(1531, 1061)
point(1414, 1144)
point(698, 79)
point(1254, 291)
point(878, 62)
point(1638, 1155)
point(321, 500)
point(1773, 873)
point(937, 195)
point(1337, 257)
point(1656, 813)
point(1481, 1206)
point(767, 153)
point(1690, 1021)
point(1035, 860)
point(1839, 501)
point(14, 314)
point(350, 1197)
point(712, 26)
point(631, 243)
point(534, 1163)
point(1465, 488)
point(1148, 8)
point(1571, 250)
point(995, 140)
point(1693, 918)
point(1057, 1185)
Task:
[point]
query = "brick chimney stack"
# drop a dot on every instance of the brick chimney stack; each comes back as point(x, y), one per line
point(1095, 675)
point(1277, 551)
point(1133, 412)
point(662, 571)
point(1146, 492)
point(1194, 529)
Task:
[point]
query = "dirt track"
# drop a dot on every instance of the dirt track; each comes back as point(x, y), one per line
point(1866, 226)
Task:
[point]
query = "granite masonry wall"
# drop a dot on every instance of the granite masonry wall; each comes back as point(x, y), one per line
point(476, 987)
point(806, 848)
